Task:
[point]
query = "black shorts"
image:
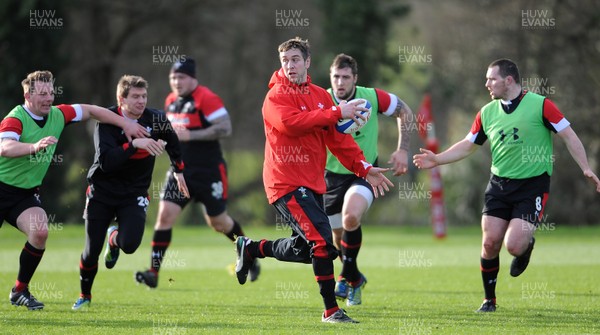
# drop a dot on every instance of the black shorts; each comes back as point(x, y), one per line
point(337, 186)
point(129, 213)
point(207, 185)
point(302, 211)
point(517, 198)
point(15, 200)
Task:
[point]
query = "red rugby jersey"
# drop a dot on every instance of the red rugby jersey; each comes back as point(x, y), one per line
point(299, 125)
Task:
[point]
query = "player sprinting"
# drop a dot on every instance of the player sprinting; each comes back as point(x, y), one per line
point(200, 120)
point(28, 135)
point(518, 125)
point(299, 120)
point(348, 196)
point(119, 179)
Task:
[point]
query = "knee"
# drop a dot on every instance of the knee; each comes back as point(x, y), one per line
point(220, 224)
point(166, 219)
point(323, 250)
point(491, 246)
point(516, 249)
point(351, 221)
point(129, 247)
point(38, 236)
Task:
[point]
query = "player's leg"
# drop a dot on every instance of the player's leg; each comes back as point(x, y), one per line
point(170, 206)
point(98, 217)
point(131, 217)
point(212, 192)
point(304, 213)
point(161, 240)
point(337, 230)
point(357, 201)
point(518, 236)
point(33, 222)
point(223, 223)
point(493, 230)
point(337, 185)
point(318, 232)
point(496, 212)
point(527, 213)
point(292, 249)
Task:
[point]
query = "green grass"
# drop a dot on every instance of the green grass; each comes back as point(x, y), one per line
point(416, 285)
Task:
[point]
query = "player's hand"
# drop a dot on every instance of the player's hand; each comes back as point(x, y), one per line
point(153, 147)
point(425, 160)
point(593, 178)
point(44, 143)
point(182, 132)
point(399, 161)
point(378, 181)
point(181, 184)
point(352, 111)
point(134, 130)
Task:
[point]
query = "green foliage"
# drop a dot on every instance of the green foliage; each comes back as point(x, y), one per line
point(360, 29)
point(416, 285)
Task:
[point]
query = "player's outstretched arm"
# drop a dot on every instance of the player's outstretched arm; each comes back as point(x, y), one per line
point(428, 159)
point(577, 151)
point(379, 181)
point(10, 147)
point(101, 114)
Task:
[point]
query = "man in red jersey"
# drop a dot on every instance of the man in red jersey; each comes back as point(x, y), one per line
point(299, 119)
point(200, 120)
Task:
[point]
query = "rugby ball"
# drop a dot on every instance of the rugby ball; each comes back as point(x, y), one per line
point(348, 126)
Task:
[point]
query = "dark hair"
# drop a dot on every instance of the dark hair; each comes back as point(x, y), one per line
point(296, 43)
point(343, 61)
point(507, 67)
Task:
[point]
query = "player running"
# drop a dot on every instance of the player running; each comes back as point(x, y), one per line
point(119, 179)
point(28, 138)
point(348, 196)
point(200, 120)
point(299, 118)
point(519, 125)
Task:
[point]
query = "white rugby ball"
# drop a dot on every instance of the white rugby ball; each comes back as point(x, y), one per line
point(348, 126)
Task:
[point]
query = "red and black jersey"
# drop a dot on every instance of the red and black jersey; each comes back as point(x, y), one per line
point(121, 170)
point(196, 111)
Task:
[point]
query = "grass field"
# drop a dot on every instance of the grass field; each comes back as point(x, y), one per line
point(416, 285)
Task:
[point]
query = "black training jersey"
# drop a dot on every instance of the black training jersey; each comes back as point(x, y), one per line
point(119, 169)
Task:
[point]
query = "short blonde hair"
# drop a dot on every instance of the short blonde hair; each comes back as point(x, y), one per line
point(42, 76)
point(127, 82)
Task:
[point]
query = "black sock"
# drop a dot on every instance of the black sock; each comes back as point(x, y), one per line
point(236, 231)
point(323, 269)
point(261, 249)
point(160, 243)
point(351, 241)
point(28, 261)
point(489, 274)
point(87, 273)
